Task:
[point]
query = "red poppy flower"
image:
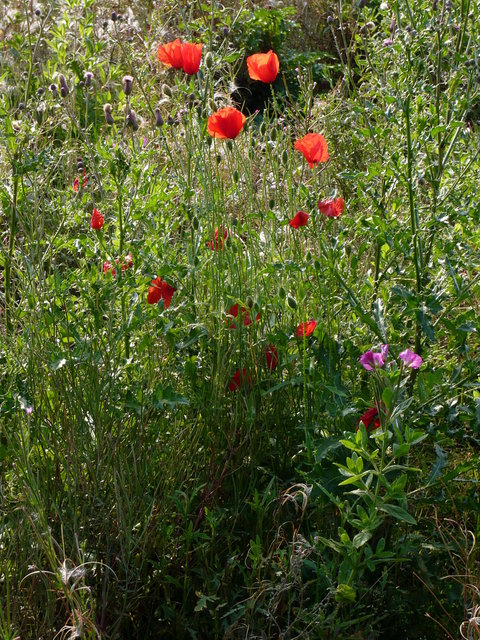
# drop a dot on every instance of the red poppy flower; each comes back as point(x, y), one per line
point(300, 220)
point(128, 261)
point(332, 208)
point(239, 379)
point(226, 123)
point(370, 417)
point(306, 328)
point(271, 356)
point(192, 54)
point(235, 311)
point(96, 221)
point(160, 290)
point(171, 54)
point(76, 182)
point(108, 267)
point(263, 66)
point(217, 245)
point(314, 147)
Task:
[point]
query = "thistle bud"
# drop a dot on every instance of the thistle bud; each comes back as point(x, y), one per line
point(88, 78)
point(80, 165)
point(127, 85)
point(158, 117)
point(40, 91)
point(329, 19)
point(225, 31)
point(209, 60)
point(114, 16)
point(64, 91)
point(53, 89)
point(38, 13)
point(107, 110)
point(166, 90)
point(132, 120)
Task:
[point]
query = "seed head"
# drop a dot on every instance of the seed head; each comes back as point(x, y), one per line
point(127, 85)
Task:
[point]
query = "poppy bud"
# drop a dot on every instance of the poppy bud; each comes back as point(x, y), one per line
point(235, 176)
point(309, 256)
point(132, 120)
point(263, 128)
point(229, 145)
point(114, 16)
point(282, 293)
point(292, 303)
point(249, 301)
point(285, 157)
point(64, 91)
point(107, 110)
point(209, 60)
point(273, 135)
point(271, 203)
point(127, 85)
point(195, 223)
point(317, 265)
point(166, 90)
point(88, 78)
point(158, 117)
point(219, 157)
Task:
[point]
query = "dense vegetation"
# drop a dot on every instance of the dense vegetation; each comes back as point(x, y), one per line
point(203, 433)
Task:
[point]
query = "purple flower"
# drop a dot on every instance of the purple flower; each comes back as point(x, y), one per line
point(411, 359)
point(370, 360)
point(387, 42)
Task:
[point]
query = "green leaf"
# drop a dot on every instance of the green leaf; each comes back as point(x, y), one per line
point(361, 538)
point(397, 512)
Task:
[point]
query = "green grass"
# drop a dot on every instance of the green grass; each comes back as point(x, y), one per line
point(141, 496)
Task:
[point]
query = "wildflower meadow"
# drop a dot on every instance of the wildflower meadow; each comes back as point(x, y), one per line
point(239, 320)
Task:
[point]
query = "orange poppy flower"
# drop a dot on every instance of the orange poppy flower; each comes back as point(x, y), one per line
point(300, 220)
point(332, 208)
point(306, 328)
point(160, 290)
point(314, 147)
point(76, 182)
point(171, 54)
point(96, 221)
point(192, 54)
point(263, 66)
point(226, 123)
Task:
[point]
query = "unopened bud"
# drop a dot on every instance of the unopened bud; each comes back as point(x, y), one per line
point(132, 120)
point(292, 303)
point(329, 19)
point(107, 110)
point(114, 16)
point(249, 302)
point(235, 176)
point(285, 157)
point(195, 223)
point(158, 117)
point(282, 293)
point(229, 145)
point(209, 60)
point(64, 91)
point(273, 134)
point(88, 78)
point(127, 85)
point(166, 90)
point(53, 89)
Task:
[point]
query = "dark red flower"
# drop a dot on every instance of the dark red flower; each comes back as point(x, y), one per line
point(226, 123)
point(171, 54)
point(192, 54)
point(300, 220)
point(239, 379)
point(271, 356)
point(96, 221)
point(236, 311)
point(306, 328)
point(108, 267)
point(76, 182)
point(160, 290)
point(314, 147)
point(263, 66)
point(217, 245)
point(332, 208)
point(369, 418)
